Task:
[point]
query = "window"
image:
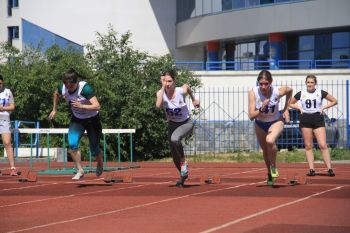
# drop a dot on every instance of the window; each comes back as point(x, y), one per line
point(13, 33)
point(11, 4)
point(341, 45)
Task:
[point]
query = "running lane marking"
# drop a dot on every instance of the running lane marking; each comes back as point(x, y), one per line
point(268, 210)
point(129, 208)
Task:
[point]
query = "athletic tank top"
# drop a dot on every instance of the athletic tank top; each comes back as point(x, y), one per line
point(82, 98)
point(176, 109)
point(311, 102)
point(271, 112)
point(6, 98)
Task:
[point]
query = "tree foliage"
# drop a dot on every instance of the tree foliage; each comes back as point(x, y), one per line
point(125, 81)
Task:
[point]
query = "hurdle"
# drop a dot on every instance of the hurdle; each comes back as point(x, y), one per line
point(64, 132)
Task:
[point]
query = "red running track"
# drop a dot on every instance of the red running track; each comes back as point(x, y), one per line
point(241, 203)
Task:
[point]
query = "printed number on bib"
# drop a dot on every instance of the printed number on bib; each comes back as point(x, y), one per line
point(173, 111)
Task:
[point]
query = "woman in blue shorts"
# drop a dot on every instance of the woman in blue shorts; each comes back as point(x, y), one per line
point(172, 99)
point(85, 116)
point(312, 121)
point(264, 108)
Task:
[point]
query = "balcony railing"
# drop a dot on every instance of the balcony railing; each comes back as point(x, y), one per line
point(272, 65)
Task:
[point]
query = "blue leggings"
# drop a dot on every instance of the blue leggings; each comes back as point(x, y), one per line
point(93, 128)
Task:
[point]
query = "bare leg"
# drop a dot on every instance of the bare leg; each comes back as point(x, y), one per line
point(308, 142)
point(77, 160)
point(6, 140)
point(320, 134)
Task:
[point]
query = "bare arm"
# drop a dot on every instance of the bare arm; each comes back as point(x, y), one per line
point(188, 91)
point(9, 107)
point(94, 105)
point(286, 91)
point(56, 97)
point(159, 100)
point(252, 111)
point(331, 102)
point(293, 104)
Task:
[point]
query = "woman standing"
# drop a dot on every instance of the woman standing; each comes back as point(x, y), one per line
point(7, 105)
point(172, 99)
point(312, 120)
point(264, 108)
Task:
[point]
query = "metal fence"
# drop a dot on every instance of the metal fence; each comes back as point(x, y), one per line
point(222, 124)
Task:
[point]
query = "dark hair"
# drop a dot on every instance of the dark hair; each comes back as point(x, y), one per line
point(171, 73)
point(312, 77)
point(266, 75)
point(1, 78)
point(71, 76)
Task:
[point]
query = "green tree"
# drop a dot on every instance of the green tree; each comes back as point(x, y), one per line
point(125, 81)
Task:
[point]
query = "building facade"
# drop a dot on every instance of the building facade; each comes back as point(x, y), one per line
point(191, 30)
point(264, 30)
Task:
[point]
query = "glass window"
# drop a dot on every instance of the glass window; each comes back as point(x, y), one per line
point(15, 3)
point(13, 33)
point(341, 53)
point(250, 3)
point(199, 7)
point(306, 43)
point(341, 39)
point(238, 4)
point(226, 5)
point(207, 7)
point(217, 6)
point(266, 1)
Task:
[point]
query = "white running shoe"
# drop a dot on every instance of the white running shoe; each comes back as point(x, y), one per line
point(78, 176)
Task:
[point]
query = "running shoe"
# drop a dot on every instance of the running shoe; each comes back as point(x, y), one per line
point(184, 169)
point(14, 172)
point(274, 172)
point(269, 179)
point(99, 169)
point(311, 173)
point(181, 182)
point(78, 175)
point(330, 172)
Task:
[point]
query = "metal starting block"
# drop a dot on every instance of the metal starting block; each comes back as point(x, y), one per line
point(115, 177)
point(28, 176)
point(289, 180)
point(215, 179)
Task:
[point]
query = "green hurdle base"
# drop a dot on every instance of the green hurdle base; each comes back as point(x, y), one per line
point(87, 169)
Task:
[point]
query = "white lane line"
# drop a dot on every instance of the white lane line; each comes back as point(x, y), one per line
point(268, 210)
point(80, 194)
point(129, 208)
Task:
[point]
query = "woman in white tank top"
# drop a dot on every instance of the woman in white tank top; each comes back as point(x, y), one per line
point(264, 108)
point(7, 105)
point(172, 100)
point(312, 121)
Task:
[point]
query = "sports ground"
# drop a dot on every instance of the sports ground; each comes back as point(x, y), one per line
point(241, 202)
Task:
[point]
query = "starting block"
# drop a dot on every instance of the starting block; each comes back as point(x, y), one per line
point(289, 180)
point(215, 179)
point(28, 176)
point(114, 177)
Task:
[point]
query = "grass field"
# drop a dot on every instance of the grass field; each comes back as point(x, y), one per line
point(282, 156)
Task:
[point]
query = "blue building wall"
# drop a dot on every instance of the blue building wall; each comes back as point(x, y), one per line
point(35, 36)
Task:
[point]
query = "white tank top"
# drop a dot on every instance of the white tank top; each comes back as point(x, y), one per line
point(311, 102)
point(6, 98)
point(78, 112)
point(176, 109)
point(272, 110)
